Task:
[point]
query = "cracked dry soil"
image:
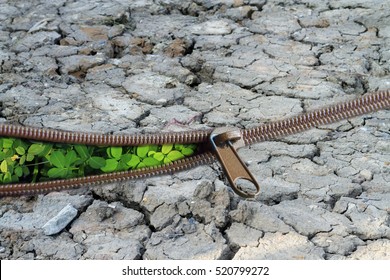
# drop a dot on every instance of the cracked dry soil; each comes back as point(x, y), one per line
point(170, 65)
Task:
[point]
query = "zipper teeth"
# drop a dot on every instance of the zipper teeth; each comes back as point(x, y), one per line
point(59, 136)
point(64, 184)
point(363, 105)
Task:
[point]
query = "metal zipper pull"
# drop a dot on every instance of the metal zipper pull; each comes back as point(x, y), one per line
point(225, 142)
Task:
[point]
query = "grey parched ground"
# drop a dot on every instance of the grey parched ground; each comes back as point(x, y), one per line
point(170, 65)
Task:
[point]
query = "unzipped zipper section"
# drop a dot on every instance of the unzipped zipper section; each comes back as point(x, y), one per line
point(221, 143)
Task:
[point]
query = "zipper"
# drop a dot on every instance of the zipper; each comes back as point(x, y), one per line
point(220, 143)
point(225, 142)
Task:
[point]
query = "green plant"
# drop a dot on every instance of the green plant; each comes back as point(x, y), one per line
point(28, 161)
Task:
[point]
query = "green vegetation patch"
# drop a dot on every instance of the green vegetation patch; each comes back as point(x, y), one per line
point(30, 161)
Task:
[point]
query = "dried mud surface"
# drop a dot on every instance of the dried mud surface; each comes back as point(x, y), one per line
point(170, 65)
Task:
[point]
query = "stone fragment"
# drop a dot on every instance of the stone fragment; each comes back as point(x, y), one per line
point(163, 216)
point(110, 246)
point(78, 65)
point(258, 216)
point(306, 220)
point(203, 189)
point(110, 231)
point(272, 108)
point(276, 22)
point(218, 27)
point(377, 199)
point(142, 87)
point(278, 246)
point(369, 221)
point(33, 41)
point(374, 250)
point(166, 192)
point(240, 235)
point(132, 191)
point(239, 13)
point(102, 216)
point(158, 26)
point(46, 206)
point(107, 74)
point(62, 247)
point(178, 47)
point(60, 221)
point(336, 244)
point(205, 243)
point(275, 190)
point(26, 98)
point(209, 205)
point(203, 172)
point(172, 118)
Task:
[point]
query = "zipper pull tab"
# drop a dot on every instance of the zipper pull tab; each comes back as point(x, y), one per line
point(225, 142)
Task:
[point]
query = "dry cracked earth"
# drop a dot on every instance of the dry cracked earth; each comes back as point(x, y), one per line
point(169, 65)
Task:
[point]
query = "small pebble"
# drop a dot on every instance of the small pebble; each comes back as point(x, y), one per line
point(60, 221)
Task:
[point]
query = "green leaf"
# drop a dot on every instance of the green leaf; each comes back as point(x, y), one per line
point(18, 171)
point(187, 151)
point(178, 147)
point(35, 149)
point(151, 153)
point(97, 162)
point(122, 166)
point(111, 165)
point(26, 171)
point(57, 159)
point(22, 159)
point(57, 172)
point(159, 156)
point(115, 152)
point(7, 177)
point(46, 150)
point(83, 152)
point(126, 158)
point(166, 148)
point(4, 166)
point(29, 157)
point(20, 150)
point(9, 153)
point(175, 155)
point(7, 143)
point(135, 160)
point(150, 161)
point(142, 151)
point(70, 158)
point(10, 166)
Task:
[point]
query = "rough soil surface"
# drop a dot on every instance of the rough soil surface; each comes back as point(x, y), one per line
point(169, 65)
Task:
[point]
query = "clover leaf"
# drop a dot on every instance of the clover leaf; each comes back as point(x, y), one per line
point(110, 166)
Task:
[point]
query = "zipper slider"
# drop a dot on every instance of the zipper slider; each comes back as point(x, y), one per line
point(226, 142)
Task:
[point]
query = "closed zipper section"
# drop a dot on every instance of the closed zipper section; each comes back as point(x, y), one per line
point(96, 139)
point(222, 143)
point(363, 105)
